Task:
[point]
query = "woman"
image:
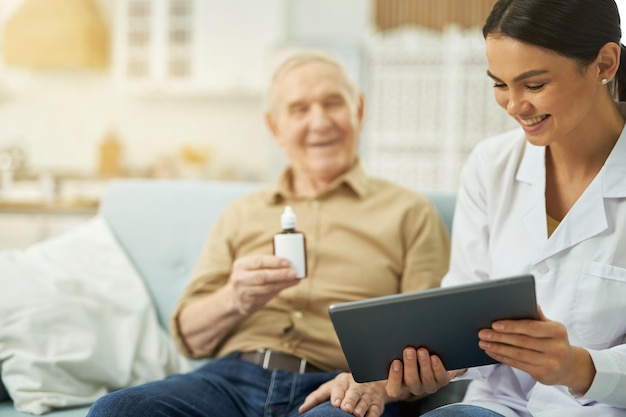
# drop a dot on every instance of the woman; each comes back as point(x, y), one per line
point(550, 200)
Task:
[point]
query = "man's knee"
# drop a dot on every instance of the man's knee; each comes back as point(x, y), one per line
point(129, 402)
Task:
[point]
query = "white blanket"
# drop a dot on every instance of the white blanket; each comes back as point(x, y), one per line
point(77, 322)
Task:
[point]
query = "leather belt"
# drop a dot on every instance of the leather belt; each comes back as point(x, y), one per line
point(272, 359)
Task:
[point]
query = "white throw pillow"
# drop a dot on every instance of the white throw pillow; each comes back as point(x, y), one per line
point(76, 322)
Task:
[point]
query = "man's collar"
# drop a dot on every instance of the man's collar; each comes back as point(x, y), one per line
point(355, 179)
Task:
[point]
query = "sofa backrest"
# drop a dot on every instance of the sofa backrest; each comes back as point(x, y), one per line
point(162, 226)
point(445, 203)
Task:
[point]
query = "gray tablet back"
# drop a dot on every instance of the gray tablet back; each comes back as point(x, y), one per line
point(446, 321)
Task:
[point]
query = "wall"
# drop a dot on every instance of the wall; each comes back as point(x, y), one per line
point(61, 117)
point(61, 120)
point(328, 20)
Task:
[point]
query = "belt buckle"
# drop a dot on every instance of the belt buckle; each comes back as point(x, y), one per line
point(267, 354)
point(266, 357)
point(302, 366)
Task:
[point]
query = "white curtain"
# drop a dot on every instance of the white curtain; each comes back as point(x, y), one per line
point(429, 101)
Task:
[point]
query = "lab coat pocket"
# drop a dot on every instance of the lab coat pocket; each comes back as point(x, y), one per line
point(600, 310)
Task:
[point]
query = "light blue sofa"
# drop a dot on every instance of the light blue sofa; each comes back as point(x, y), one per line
point(162, 226)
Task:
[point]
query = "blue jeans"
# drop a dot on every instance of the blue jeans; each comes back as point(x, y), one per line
point(461, 410)
point(227, 387)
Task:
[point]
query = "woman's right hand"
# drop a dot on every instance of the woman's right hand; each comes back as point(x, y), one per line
point(418, 373)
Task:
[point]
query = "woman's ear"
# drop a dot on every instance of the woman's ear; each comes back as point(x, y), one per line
point(608, 61)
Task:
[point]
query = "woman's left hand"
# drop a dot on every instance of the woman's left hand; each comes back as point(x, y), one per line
point(542, 349)
point(359, 399)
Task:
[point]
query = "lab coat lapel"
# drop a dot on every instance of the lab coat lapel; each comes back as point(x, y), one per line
point(532, 172)
point(588, 216)
point(585, 219)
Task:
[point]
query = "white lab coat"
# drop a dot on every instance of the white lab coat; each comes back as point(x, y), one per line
point(500, 230)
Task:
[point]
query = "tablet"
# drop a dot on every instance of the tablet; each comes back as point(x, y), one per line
point(446, 321)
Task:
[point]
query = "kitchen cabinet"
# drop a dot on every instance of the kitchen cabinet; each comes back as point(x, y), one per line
point(24, 223)
point(195, 47)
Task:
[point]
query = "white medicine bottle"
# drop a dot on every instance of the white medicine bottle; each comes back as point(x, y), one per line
point(290, 243)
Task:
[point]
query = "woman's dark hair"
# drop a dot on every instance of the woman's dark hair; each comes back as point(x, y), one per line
point(576, 29)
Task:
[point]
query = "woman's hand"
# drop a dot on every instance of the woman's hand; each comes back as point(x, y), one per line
point(361, 400)
point(418, 373)
point(541, 348)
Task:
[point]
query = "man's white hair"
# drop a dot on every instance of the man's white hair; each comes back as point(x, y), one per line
point(304, 57)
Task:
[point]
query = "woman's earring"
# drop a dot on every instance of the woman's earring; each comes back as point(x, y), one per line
point(605, 81)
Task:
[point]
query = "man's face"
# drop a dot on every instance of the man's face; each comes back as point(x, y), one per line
point(315, 120)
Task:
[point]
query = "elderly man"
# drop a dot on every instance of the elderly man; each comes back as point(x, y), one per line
point(268, 330)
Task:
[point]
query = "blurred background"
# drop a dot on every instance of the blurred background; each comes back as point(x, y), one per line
point(96, 89)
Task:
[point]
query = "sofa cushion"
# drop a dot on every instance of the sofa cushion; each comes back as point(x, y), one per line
point(77, 322)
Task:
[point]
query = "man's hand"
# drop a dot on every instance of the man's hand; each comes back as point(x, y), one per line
point(256, 279)
point(361, 400)
point(418, 373)
point(541, 348)
point(206, 321)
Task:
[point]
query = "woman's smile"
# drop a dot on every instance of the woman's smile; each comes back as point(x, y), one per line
point(534, 124)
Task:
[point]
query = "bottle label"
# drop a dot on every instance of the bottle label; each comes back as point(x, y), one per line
point(291, 246)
